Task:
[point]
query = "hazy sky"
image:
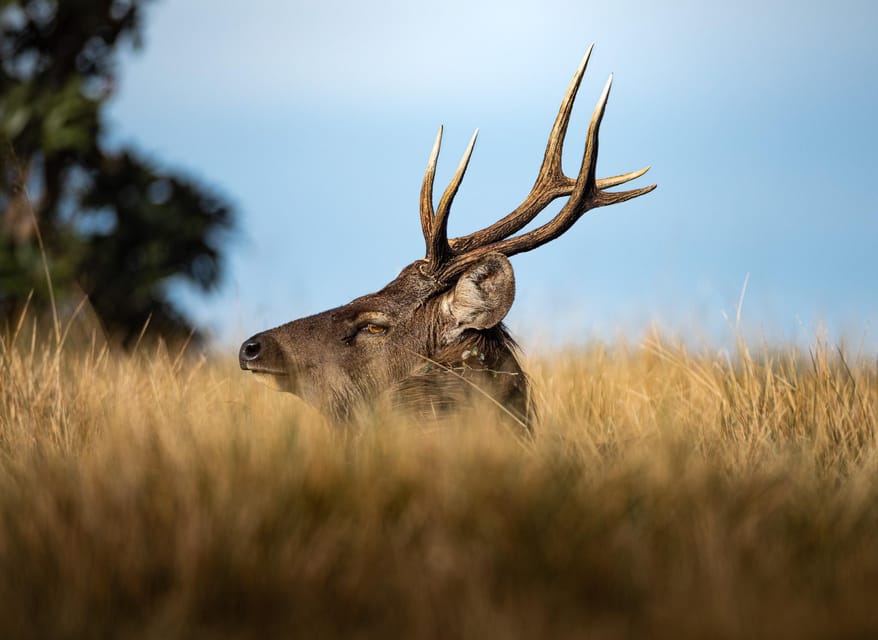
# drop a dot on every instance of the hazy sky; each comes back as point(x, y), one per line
point(316, 119)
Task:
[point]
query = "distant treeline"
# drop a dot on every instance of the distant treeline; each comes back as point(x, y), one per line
point(100, 221)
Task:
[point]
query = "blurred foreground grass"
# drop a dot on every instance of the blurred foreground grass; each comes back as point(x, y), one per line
point(665, 494)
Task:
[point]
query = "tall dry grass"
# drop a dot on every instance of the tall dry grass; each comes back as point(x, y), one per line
point(665, 494)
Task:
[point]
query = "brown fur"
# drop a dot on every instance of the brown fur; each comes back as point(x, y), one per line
point(481, 369)
point(425, 363)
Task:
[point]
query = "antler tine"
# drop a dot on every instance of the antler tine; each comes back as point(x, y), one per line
point(550, 183)
point(438, 250)
point(551, 167)
point(615, 181)
point(427, 193)
point(614, 197)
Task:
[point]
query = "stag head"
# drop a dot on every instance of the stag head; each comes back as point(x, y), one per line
point(434, 335)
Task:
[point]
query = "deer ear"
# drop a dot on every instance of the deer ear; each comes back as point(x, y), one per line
point(483, 294)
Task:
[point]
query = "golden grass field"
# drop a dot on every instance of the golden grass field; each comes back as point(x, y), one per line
point(665, 494)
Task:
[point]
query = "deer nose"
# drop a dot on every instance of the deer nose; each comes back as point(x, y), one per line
point(249, 352)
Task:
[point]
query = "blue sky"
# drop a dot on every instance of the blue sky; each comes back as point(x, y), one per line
point(316, 120)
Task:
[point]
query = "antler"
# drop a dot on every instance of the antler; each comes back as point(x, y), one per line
point(435, 225)
point(446, 259)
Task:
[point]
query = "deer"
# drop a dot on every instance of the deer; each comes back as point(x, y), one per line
point(433, 339)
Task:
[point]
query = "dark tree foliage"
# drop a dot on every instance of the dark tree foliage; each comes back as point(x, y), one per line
point(112, 225)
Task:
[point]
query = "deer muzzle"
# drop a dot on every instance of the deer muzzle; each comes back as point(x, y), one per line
point(262, 354)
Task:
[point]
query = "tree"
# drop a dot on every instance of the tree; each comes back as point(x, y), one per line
point(112, 225)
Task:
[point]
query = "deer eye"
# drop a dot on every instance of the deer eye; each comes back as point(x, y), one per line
point(374, 329)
